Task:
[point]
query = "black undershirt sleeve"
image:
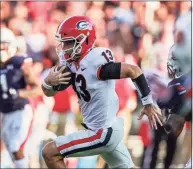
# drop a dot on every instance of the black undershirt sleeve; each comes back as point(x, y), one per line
point(110, 70)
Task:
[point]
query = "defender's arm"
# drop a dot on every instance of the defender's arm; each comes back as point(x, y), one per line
point(31, 80)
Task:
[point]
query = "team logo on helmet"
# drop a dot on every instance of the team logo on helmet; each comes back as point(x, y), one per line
point(82, 25)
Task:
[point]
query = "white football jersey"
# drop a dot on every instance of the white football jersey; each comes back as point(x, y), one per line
point(97, 98)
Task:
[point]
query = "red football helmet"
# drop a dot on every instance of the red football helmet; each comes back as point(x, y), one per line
point(78, 30)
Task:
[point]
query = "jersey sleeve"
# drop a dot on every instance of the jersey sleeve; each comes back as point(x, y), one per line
point(174, 97)
point(103, 56)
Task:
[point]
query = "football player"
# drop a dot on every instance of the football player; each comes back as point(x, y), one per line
point(15, 75)
point(179, 69)
point(180, 87)
point(93, 73)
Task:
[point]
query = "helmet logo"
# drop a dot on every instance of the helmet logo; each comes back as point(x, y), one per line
point(82, 25)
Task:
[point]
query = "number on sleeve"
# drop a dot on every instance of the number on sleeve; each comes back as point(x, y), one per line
point(107, 55)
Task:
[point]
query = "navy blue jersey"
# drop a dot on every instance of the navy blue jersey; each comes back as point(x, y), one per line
point(185, 80)
point(177, 96)
point(12, 79)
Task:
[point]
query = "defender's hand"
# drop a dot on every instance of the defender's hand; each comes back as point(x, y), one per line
point(56, 77)
point(154, 115)
point(174, 124)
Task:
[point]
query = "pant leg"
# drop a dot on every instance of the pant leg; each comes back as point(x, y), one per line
point(143, 157)
point(171, 148)
point(88, 142)
point(85, 143)
point(150, 156)
point(16, 128)
point(119, 157)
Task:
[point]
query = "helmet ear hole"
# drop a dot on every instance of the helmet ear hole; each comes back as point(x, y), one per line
point(87, 41)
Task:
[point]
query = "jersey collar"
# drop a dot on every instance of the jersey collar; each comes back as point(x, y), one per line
point(77, 63)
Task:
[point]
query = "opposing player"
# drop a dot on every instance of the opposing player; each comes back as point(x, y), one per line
point(179, 67)
point(15, 75)
point(178, 99)
point(93, 73)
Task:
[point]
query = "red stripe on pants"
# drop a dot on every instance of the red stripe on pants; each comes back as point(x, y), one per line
point(28, 134)
point(81, 141)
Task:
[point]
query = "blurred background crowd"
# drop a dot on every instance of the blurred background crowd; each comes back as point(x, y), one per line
point(137, 32)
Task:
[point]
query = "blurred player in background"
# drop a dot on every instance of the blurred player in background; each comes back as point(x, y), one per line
point(175, 97)
point(179, 66)
point(42, 107)
point(93, 70)
point(16, 74)
point(177, 100)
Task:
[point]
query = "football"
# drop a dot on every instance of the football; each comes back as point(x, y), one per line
point(61, 87)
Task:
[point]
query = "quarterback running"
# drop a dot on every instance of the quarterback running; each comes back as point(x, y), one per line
point(92, 72)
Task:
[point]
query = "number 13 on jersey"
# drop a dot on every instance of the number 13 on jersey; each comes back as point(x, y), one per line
point(79, 86)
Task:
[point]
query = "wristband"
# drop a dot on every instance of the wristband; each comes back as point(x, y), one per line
point(147, 100)
point(143, 89)
point(141, 86)
point(46, 85)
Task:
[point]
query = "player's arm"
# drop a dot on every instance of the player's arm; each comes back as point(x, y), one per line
point(31, 80)
point(113, 70)
point(55, 77)
point(120, 70)
point(174, 96)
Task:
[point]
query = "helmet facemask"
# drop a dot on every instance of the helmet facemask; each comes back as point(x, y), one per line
point(73, 53)
point(171, 71)
point(174, 68)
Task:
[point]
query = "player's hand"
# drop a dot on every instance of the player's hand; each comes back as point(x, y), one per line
point(56, 77)
point(154, 115)
point(174, 124)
